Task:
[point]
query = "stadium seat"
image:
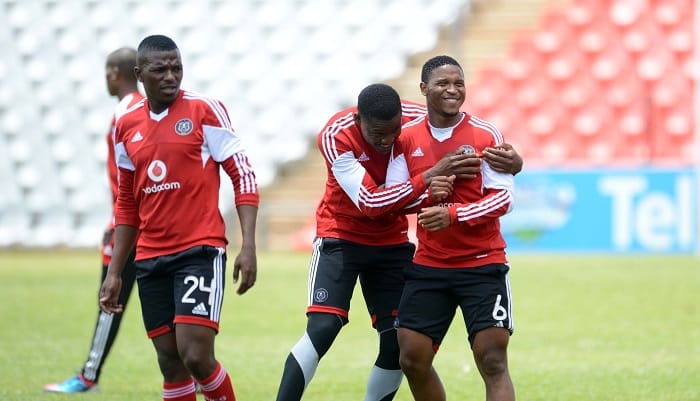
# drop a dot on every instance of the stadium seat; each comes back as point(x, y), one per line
point(671, 89)
point(506, 118)
point(545, 120)
point(15, 226)
point(654, 63)
point(596, 36)
point(490, 85)
point(679, 37)
point(620, 92)
point(522, 58)
point(553, 31)
point(565, 64)
point(591, 120)
point(581, 14)
point(633, 121)
point(578, 91)
point(669, 13)
point(640, 36)
point(532, 92)
point(625, 13)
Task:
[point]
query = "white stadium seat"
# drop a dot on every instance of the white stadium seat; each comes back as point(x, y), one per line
point(282, 68)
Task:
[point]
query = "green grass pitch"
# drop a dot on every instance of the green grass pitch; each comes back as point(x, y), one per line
point(622, 328)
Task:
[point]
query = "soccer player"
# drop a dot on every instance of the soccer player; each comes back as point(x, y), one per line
point(169, 149)
point(121, 82)
point(460, 260)
point(360, 233)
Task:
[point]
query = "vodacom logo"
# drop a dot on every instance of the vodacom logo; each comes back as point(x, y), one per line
point(157, 172)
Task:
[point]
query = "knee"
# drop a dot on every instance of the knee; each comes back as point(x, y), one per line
point(199, 364)
point(414, 364)
point(323, 325)
point(171, 366)
point(322, 329)
point(388, 357)
point(493, 362)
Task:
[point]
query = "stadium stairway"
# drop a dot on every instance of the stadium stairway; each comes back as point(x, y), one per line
point(286, 216)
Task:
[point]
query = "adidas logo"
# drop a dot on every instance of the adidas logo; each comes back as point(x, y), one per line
point(137, 137)
point(418, 152)
point(200, 309)
point(363, 157)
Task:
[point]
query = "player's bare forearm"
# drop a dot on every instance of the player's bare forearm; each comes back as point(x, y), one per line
point(245, 266)
point(124, 242)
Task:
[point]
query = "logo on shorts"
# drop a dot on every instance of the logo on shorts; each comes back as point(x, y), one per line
point(321, 295)
point(183, 127)
point(200, 309)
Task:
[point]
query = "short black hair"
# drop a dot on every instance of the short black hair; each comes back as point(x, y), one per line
point(155, 43)
point(378, 101)
point(436, 62)
point(124, 59)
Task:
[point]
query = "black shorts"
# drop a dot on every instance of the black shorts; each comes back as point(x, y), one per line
point(186, 287)
point(335, 267)
point(431, 297)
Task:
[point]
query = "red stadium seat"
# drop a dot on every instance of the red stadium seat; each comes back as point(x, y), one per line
point(624, 90)
point(633, 121)
point(654, 63)
point(610, 64)
point(533, 92)
point(640, 36)
point(565, 64)
point(625, 13)
point(488, 89)
point(546, 120)
point(553, 31)
point(578, 91)
point(581, 14)
point(506, 118)
point(591, 120)
point(671, 89)
point(679, 37)
point(522, 59)
point(673, 134)
point(668, 13)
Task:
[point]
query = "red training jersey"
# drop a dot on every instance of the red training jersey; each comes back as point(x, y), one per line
point(169, 173)
point(474, 237)
point(123, 105)
point(355, 206)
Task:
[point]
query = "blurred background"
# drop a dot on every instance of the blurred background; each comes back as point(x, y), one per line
point(598, 96)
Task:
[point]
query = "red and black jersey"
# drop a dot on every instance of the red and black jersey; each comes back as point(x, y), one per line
point(355, 206)
point(123, 105)
point(474, 237)
point(169, 173)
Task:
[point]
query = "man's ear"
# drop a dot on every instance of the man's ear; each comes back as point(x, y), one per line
point(424, 89)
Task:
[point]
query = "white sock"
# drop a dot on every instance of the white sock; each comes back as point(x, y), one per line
point(382, 382)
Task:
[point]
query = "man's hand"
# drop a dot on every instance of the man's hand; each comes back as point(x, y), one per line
point(246, 267)
point(434, 218)
point(109, 294)
point(441, 187)
point(457, 163)
point(503, 159)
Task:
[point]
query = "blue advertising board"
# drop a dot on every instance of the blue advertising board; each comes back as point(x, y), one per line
point(604, 210)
